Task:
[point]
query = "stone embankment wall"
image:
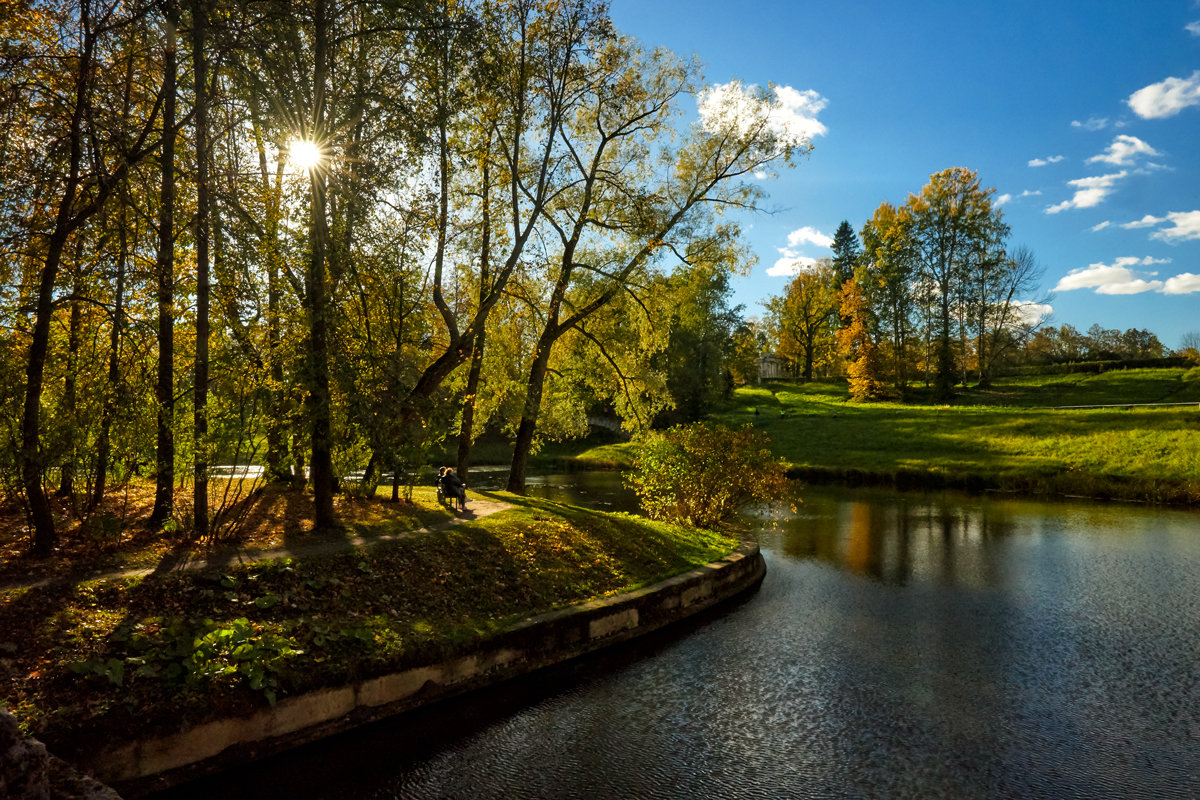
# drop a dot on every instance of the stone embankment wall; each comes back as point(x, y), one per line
point(140, 767)
point(28, 772)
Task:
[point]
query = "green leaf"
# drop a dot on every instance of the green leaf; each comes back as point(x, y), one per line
point(266, 601)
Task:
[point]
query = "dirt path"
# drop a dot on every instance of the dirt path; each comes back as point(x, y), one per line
point(231, 556)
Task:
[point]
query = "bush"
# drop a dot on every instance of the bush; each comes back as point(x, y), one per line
point(703, 473)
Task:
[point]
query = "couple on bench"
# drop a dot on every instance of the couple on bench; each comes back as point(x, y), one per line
point(450, 487)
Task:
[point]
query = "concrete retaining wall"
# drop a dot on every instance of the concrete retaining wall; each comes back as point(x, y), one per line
point(548, 639)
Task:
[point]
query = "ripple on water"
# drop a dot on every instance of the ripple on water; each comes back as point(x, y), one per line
point(918, 646)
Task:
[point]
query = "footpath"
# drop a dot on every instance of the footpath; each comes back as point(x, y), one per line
point(223, 557)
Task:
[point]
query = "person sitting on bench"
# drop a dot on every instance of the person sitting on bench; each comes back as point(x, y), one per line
point(453, 487)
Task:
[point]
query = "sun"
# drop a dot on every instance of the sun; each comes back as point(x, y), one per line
point(304, 154)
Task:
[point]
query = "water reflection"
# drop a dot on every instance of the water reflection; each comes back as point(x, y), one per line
point(949, 538)
point(600, 489)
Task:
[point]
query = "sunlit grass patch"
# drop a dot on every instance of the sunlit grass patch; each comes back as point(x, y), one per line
point(1006, 437)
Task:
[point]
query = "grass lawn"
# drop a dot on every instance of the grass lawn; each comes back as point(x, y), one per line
point(85, 661)
point(1004, 438)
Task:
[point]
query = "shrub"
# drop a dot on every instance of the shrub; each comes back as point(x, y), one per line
point(703, 473)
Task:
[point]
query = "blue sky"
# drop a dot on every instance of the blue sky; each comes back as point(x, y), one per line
point(1083, 114)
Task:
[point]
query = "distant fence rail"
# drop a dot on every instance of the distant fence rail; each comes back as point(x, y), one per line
point(1121, 405)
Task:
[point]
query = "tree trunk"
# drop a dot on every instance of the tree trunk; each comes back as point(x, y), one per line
point(808, 355)
point(466, 432)
point(41, 518)
point(164, 501)
point(529, 415)
point(277, 429)
point(103, 446)
point(44, 536)
point(944, 386)
point(66, 486)
point(323, 479)
point(203, 199)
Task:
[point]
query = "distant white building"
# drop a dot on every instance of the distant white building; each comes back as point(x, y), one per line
point(771, 367)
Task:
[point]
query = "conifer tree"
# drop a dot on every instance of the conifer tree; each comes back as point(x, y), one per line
point(846, 253)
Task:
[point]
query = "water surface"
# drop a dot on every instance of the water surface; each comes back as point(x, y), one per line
point(901, 645)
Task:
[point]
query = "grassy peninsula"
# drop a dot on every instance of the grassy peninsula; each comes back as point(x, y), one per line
point(147, 653)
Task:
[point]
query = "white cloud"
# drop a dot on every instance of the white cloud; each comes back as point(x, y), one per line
point(1028, 312)
point(1166, 98)
point(1041, 162)
point(1183, 283)
point(760, 175)
point(1093, 124)
point(1117, 278)
point(808, 235)
point(796, 111)
point(1089, 191)
point(1008, 198)
point(791, 264)
point(1135, 286)
point(1148, 221)
point(1185, 225)
point(1092, 276)
point(791, 115)
point(1193, 28)
point(1123, 151)
point(1101, 226)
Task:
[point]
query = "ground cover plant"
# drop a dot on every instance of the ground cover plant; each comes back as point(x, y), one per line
point(1009, 437)
point(86, 661)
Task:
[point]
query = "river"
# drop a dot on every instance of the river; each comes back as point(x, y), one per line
point(901, 645)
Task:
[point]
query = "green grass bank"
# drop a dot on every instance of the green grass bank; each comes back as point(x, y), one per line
point(1010, 437)
point(85, 663)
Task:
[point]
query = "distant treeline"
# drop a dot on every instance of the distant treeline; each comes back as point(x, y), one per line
point(1096, 367)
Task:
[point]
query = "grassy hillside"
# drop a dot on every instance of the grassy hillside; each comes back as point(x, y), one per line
point(1008, 437)
point(153, 653)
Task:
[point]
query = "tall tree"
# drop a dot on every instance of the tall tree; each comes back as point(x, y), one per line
point(615, 223)
point(466, 432)
point(85, 173)
point(953, 220)
point(537, 52)
point(701, 326)
point(1005, 319)
point(316, 289)
point(164, 497)
point(803, 316)
point(203, 199)
point(885, 277)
